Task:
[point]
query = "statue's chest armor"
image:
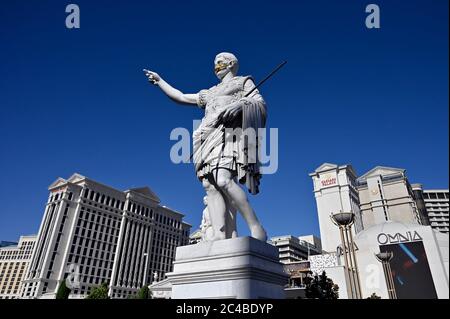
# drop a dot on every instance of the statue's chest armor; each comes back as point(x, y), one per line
point(223, 94)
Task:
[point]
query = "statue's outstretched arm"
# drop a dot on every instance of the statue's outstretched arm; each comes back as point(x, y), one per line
point(171, 92)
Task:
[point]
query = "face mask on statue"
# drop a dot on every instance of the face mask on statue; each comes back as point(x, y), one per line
point(220, 66)
point(221, 69)
point(225, 63)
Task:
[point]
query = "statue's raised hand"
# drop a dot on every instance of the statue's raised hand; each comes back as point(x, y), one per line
point(153, 77)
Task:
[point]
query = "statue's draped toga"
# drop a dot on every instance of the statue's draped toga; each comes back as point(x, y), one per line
point(212, 150)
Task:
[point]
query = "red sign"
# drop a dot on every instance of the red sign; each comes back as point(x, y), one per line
point(328, 181)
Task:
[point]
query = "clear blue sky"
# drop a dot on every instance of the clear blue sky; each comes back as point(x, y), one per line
point(77, 101)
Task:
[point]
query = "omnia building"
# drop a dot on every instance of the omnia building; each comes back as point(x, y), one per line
point(387, 247)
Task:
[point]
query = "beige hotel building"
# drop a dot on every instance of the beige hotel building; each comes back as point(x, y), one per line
point(14, 262)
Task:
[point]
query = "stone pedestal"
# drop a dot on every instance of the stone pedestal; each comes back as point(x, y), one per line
point(241, 268)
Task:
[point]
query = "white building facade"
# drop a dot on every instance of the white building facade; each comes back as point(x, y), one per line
point(14, 263)
point(92, 234)
point(334, 190)
point(386, 195)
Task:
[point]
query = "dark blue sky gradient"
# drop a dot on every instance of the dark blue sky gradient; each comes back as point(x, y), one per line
point(77, 101)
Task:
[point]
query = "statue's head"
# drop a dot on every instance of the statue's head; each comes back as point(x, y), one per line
point(225, 63)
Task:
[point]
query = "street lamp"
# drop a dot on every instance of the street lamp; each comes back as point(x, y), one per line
point(345, 220)
point(385, 258)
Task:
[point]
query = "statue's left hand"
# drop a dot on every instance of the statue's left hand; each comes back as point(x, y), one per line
point(230, 112)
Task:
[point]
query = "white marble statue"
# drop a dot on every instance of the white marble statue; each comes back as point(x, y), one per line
point(206, 229)
point(222, 163)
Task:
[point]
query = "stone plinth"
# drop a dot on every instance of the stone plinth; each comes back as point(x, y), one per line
point(242, 268)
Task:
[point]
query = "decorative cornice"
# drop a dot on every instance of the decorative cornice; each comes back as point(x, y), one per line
point(381, 171)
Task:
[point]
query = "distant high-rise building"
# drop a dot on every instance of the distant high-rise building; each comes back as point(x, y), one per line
point(93, 234)
point(313, 240)
point(195, 237)
point(437, 207)
point(4, 243)
point(14, 262)
point(294, 254)
point(293, 249)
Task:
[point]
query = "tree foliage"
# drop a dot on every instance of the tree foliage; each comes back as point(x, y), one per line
point(321, 287)
point(100, 292)
point(63, 291)
point(374, 296)
point(143, 293)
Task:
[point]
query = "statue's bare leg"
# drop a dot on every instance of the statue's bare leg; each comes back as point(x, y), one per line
point(230, 217)
point(216, 209)
point(225, 182)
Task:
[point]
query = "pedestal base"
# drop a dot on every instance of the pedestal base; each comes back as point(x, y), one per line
point(242, 268)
